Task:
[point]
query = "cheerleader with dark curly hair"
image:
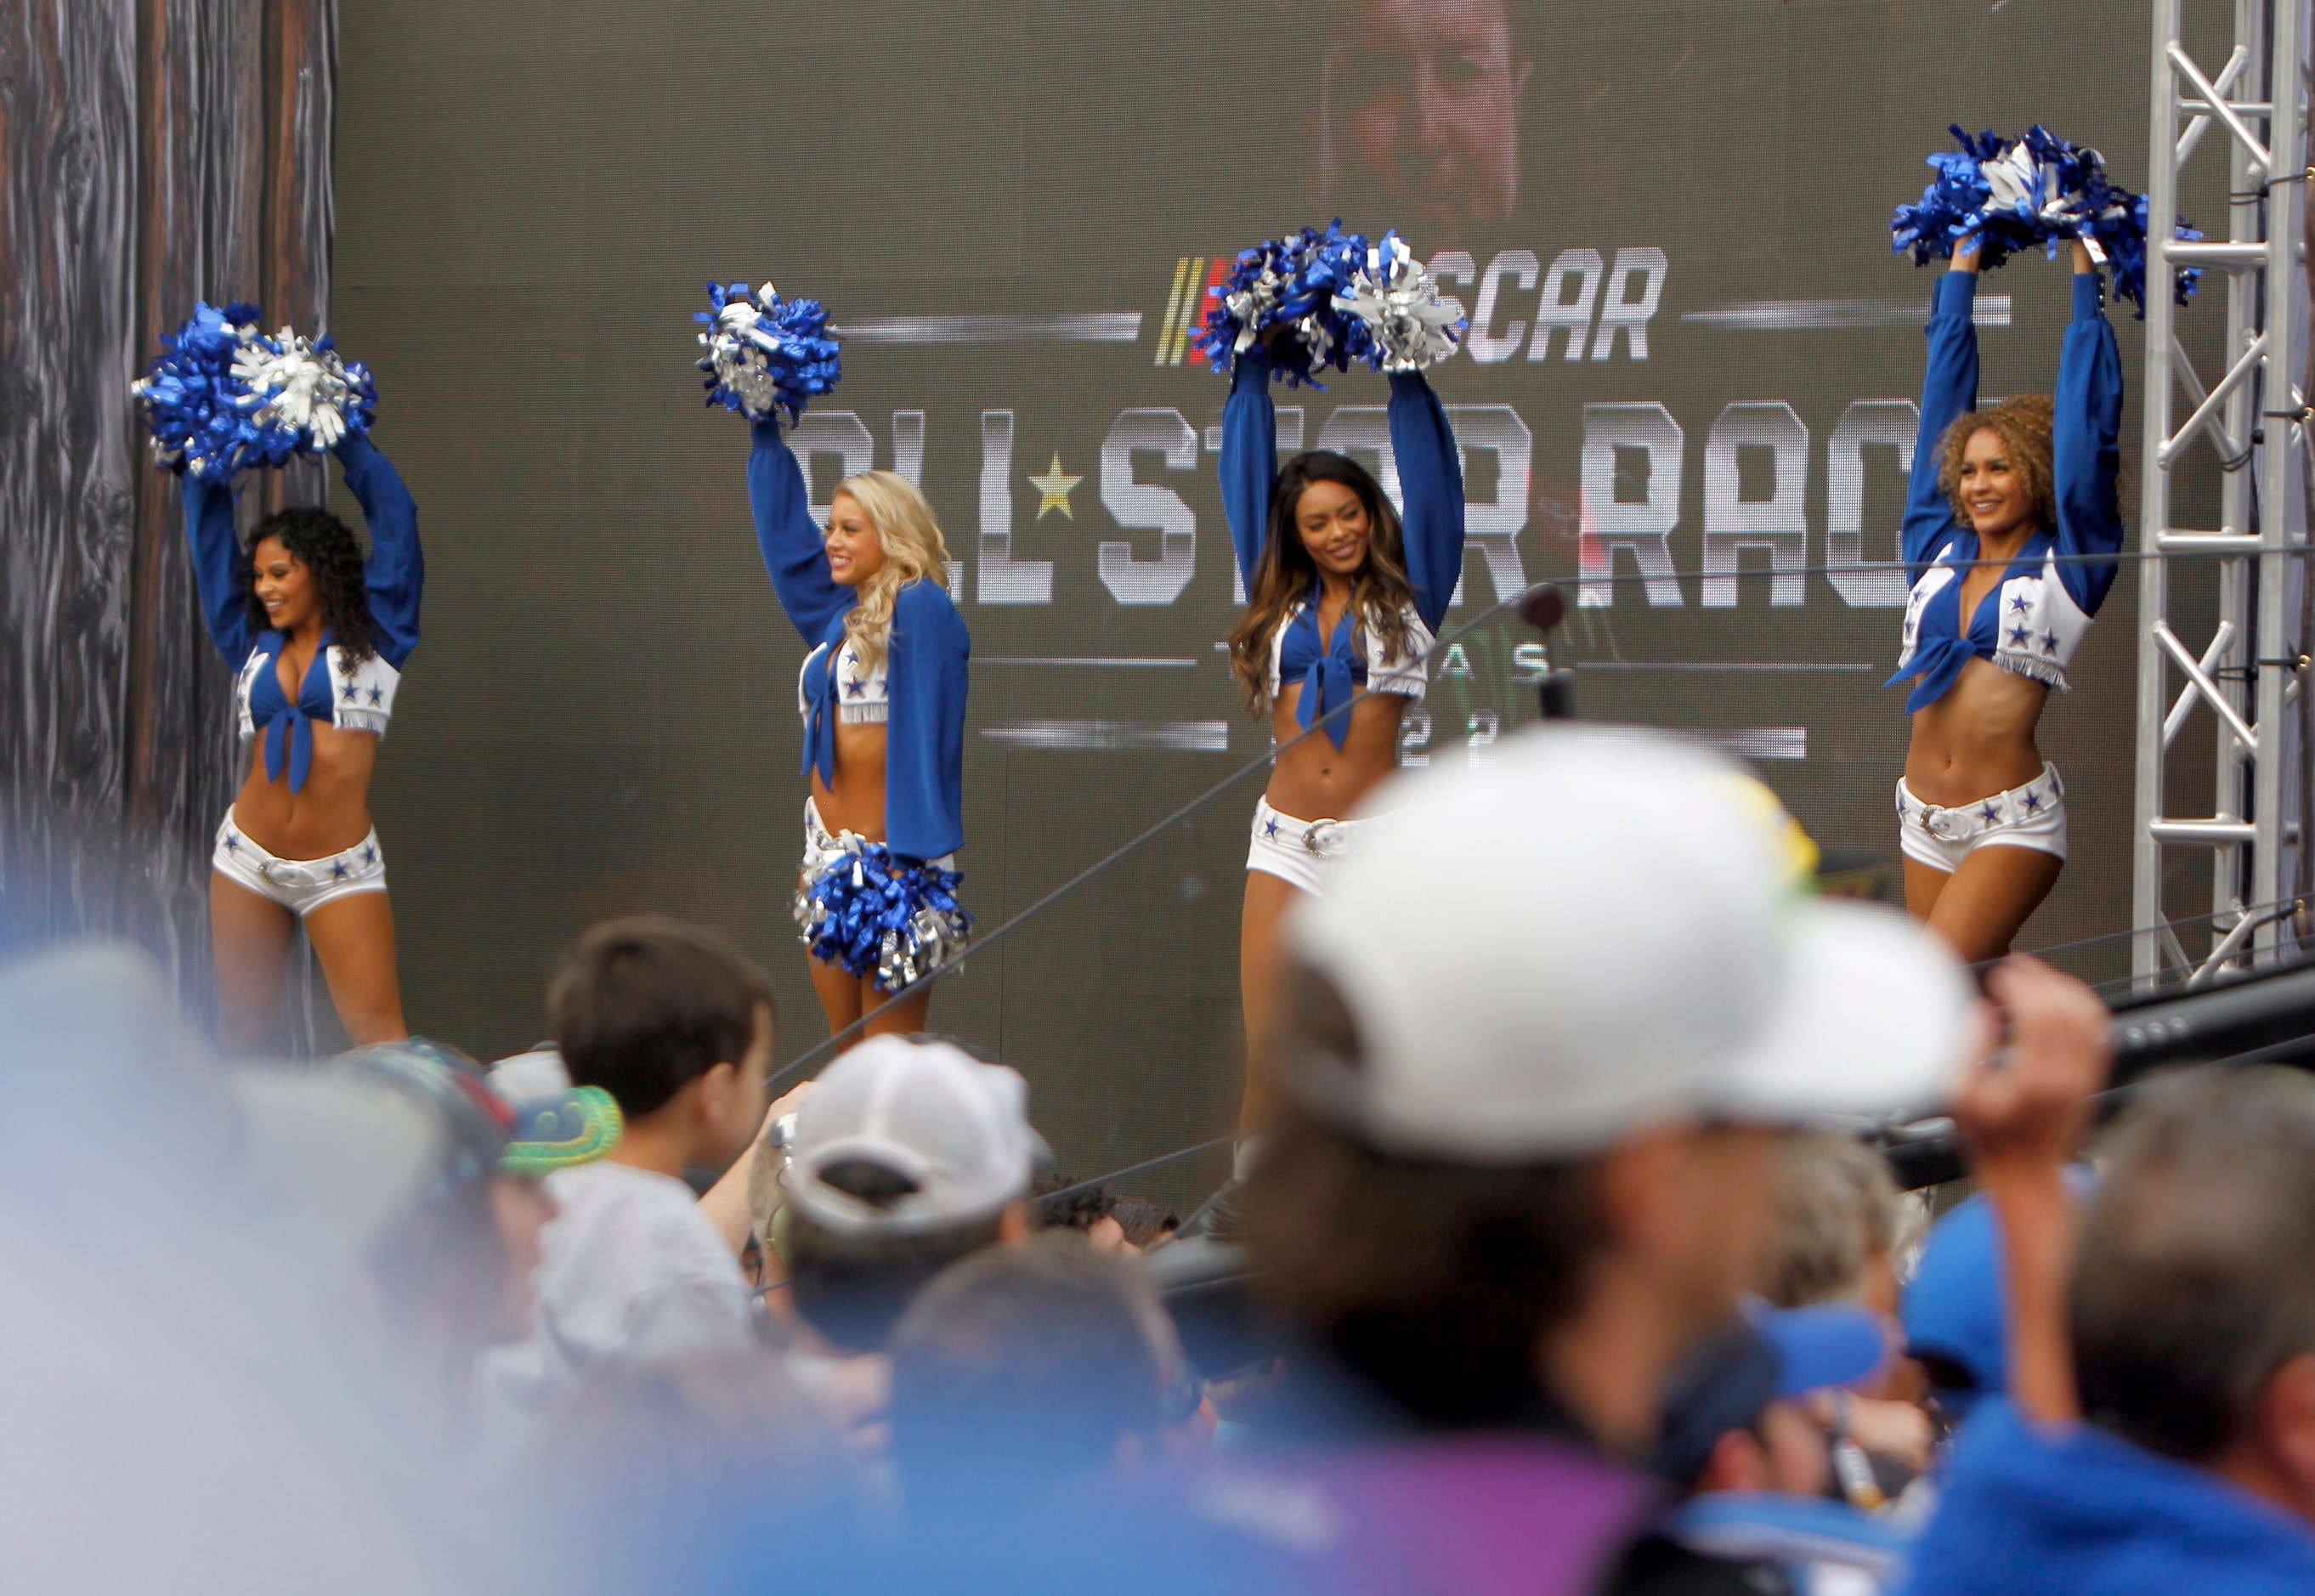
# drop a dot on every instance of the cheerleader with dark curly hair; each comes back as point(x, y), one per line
point(2011, 527)
point(318, 636)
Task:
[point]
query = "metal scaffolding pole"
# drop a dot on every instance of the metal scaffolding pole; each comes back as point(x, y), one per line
point(2248, 670)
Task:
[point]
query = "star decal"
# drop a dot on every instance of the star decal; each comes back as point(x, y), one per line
point(2033, 803)
point(1989, 814)
point(350, 691)
point(2049, 642)
point(232, 843)
point(338, 871)
point(1055, 486)
point(1270, 829)
point(370, 853)
point(2017, 602)
point(855, 688)
point(2018, 635)
point(377, 696)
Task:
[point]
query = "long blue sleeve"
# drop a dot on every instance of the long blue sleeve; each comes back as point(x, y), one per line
point(1430, 487)
point(1948, 391)
point(924, 735)
point(2086, 453)
point(216, 565)
point(395, 575)
point(793, 550)
point(1249, 465)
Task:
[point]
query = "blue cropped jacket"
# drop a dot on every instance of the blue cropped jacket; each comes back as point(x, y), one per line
point(925, 667)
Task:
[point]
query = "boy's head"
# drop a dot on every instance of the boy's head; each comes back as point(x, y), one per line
point(669, 1018)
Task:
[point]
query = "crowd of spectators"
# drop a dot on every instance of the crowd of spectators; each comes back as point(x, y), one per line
point(1566, 1263)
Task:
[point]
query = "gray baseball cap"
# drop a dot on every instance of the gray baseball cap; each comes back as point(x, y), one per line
point(955, 1129)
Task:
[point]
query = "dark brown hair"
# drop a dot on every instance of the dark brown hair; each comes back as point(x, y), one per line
point(326, 547)
point(1286, 573)
point(644, 1005)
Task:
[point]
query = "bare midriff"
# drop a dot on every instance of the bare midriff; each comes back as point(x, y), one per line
point(328, 815)
point(1313, 780)
point(1978, 739)
point(855, 803)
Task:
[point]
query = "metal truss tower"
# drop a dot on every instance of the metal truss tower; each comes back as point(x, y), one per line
point(2248, 673)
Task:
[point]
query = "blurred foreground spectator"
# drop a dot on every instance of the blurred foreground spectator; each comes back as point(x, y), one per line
point(1522, 1172)
point(1025, 1369)
point(2190, 1332)
point(257, 1403)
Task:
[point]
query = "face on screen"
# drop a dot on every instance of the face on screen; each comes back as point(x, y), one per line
point(1333, 523)
point(855, 552)
point(1418, 125)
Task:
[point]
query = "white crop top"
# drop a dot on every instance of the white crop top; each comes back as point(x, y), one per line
point(861, 698)
point(1405, 675)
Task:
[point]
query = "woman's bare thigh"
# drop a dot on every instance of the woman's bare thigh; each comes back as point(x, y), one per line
point(1986, 902)
point(353, 936)
point(252, 937)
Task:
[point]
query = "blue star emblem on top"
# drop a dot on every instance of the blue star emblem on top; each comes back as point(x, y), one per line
point(1989, 814)
point(370, 853)
point(350, 691)
point(1269, 828)
point(232, 843)
point(2049, 642)
point(2017, 602)
point(855, 688)
point(377, 696)
point(2018, 635)
point(2032, 801)
point(338, 871)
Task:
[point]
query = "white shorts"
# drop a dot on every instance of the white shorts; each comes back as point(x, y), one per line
point(1300, 853)
point(301, 886)
point(2032, 816)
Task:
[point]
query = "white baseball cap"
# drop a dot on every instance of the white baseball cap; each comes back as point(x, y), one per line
point(928, 1111)
point(1605, 930)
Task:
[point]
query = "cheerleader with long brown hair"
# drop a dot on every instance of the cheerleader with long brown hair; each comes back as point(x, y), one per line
point(1345, 599)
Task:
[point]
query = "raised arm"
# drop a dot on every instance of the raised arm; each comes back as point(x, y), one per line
point(1431, 486)
point(1249, 467)
point(396, 572)
point(924, 736)
point(2086, 453)
point(793, 550)
point(216, 565)
point(1948, 391)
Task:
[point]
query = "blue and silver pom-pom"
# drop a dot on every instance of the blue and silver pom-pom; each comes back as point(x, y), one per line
point(191, 398)
point(871, 914)
point(1293, 283)
point(1397, 321)
point(222, 395)
point(766, 354)
point(301, 396)
point(2038, 191)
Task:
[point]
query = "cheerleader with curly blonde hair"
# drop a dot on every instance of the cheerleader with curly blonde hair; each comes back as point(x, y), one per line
point(2005, 505)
